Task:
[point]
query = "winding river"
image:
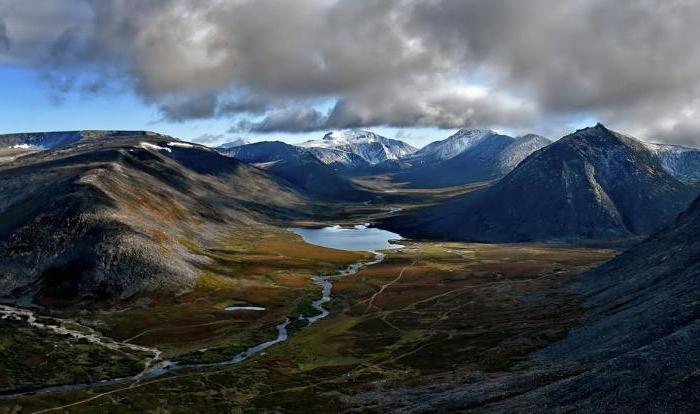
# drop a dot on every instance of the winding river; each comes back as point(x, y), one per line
point(356, 238)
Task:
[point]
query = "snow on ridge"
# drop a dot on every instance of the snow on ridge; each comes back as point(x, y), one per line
point(180, 144)
point(148, 145)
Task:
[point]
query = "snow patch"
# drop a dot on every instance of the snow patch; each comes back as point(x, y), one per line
point(23, 146)
point(237, 308)
point(180, 144)
point(148, 145)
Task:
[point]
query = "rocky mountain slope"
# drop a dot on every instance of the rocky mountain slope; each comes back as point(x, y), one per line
point(637, 349)
point(517, 151)
point(681, 162)
point(454, 145)
point(299, 167)
point(470, 155)
point(594, 184)
point(109, 219)
point(639, 343)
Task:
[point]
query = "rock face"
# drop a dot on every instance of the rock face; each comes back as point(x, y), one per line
point(681, 162)
point(108, 219)
point(594, 184)
point(470, 155)
point(368, 146)
point(518, 150)
point(299, 167)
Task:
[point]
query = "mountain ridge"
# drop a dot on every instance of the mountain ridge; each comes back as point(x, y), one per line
point(371, 147)
point(468, 156)
point(103, 220)
point(592, 184)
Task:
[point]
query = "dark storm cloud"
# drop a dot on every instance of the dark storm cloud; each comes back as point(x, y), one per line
point(445, 63)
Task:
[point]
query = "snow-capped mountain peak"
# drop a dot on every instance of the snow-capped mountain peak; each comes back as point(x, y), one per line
point(369, 146)
point(454, 145)
point(347, 137)
point(235, 143)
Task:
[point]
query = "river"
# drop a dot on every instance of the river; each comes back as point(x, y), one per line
point(357, 238)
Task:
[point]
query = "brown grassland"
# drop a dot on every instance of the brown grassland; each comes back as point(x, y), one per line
point(430, 311)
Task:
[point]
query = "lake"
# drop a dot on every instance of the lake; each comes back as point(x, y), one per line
point(357, 238)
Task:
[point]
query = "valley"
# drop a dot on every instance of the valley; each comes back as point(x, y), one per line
point(434, 311)
point(250, 288)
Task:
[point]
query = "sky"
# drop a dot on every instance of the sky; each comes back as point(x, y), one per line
point(212, 71)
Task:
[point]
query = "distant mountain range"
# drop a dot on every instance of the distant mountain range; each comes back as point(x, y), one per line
point(594, 184)
point(299, 167)
point(470, 155)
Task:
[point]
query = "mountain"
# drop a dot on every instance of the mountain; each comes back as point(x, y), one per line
point(638, 346)
point(463, 140)
point(339, 160)
point(518, 150)
point(235, 143)
point(299, 167)
point(45, 140)
point(109, 219)
point(370, 147)
point(634, 349)
point(470, 155)
point(681, 162)
point(594, 184)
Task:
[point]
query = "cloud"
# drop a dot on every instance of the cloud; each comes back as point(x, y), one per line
point(268, 64)
point(293, 119)
point(184, 107)
point(426, 106)
point(4, 40)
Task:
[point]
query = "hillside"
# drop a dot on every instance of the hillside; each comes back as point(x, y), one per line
point(112, 219)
